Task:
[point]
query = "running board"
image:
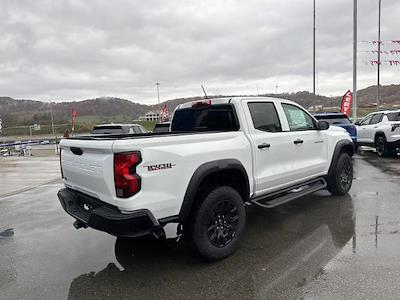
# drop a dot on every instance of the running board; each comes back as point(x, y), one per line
point(289, 194)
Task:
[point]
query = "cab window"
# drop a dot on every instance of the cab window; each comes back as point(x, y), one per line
point(298, 119)
point(376, 119)
point(366, 120)
point(264, 116)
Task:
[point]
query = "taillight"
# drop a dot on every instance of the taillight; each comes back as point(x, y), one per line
point(394, 126)
point(62, 174)
point(127, 182)
point(202, 103)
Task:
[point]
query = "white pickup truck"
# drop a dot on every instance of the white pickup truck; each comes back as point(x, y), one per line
point(381, 130)
point(197, 179)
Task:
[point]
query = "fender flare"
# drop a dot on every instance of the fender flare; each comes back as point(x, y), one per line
point(201, 173)
point(340, 145)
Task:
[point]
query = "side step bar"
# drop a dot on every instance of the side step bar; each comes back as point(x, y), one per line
point(289, 194)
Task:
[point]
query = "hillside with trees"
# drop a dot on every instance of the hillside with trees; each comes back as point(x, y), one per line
point(108, 109)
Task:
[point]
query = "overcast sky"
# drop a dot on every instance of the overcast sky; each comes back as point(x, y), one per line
point(71, 50)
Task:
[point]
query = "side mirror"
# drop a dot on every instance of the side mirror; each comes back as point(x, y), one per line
point(357, 123)
point(322, 125)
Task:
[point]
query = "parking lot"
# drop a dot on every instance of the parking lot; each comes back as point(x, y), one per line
point(317, 247)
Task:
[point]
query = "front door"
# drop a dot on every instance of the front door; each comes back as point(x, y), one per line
point(310, 149)
point(363, 130)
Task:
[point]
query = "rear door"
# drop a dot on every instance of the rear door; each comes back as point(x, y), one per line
point(271, 146)
point(310, 149)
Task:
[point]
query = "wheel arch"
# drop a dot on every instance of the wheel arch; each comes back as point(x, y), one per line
point(378, 134)
point(227, 172)
point(342, 146)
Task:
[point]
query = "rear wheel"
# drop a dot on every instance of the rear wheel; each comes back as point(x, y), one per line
point(341, 177)
point(381, 146)
point(218, 223)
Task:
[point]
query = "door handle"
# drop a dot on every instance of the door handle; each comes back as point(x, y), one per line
point(298, 141)
point(263, 145)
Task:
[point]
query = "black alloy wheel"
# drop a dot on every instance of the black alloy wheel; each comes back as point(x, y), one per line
point(223, 223)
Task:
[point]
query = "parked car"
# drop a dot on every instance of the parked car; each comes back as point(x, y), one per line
point(380, 130)
point(220, 156)
point(341, 120)
point(162, 127)
point(118, 129)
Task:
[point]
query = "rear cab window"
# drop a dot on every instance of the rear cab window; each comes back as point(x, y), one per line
point(200, 118)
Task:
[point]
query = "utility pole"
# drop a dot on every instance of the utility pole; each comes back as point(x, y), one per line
point(276, 90)
point(158, 92)
point(378, 88)
point(313, 56)
point(355, 61)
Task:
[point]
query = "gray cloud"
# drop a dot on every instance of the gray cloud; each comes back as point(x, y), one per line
point(65, 50)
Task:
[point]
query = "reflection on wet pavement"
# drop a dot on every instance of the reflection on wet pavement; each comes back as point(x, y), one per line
point(317, 247)
point(282, 250)
point(19, 174)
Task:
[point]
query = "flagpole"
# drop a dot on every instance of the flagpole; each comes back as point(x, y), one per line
point(313, 102)
point(378, 87)
point(355, 61)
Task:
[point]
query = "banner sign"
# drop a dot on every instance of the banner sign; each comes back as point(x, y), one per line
point(388, 62)
point(347, 102)
point(375, 42)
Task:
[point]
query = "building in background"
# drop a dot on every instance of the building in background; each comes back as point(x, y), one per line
point(151, 116)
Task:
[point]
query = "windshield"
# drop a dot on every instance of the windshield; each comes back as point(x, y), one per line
point(207, 118)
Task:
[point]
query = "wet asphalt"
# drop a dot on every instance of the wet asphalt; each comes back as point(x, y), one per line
point(317, 247)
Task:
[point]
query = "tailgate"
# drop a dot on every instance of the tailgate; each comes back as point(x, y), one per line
point(87, 166)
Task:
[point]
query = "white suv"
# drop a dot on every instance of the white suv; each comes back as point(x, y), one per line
point(380, 130)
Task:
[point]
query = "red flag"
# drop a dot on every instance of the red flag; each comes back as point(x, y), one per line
point(347, 102)
point(164, 114)
point(74, 116)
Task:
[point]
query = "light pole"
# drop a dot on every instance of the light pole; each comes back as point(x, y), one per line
point(313, 102)
point(354, 61)
point(378, 87)
point(158, 92)
point(52, 117)
point(276, 90)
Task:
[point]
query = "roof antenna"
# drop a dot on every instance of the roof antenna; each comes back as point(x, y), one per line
point(204, 91)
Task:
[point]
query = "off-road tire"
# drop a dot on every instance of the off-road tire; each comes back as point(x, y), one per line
point(381, 146)
point(340, 178)
point(218, 223)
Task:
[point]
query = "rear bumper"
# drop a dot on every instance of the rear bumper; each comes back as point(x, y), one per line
point(104, 217)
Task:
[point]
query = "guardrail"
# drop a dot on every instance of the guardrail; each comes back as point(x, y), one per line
point(30, 142)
